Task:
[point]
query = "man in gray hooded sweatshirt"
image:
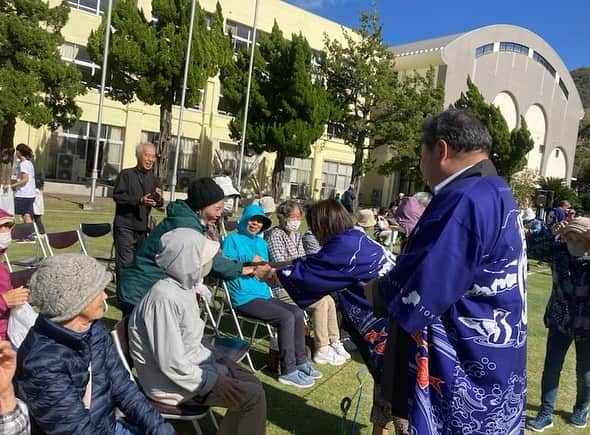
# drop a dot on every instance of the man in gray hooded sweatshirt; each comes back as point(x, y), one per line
point(165, 338)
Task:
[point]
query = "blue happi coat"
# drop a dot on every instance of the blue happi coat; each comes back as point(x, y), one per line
point(459, 290)
point(346, 262)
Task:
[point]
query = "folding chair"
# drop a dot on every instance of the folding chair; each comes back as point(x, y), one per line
point(238, 319)
point(233, 348)
point(63, 240)
point(22, 232)
point(97, 231)
point(189, 412)
point(21, 277)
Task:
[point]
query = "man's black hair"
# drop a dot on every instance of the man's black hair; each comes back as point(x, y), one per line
point(460, 129)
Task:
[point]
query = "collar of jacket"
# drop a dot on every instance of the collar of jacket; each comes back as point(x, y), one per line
point(485, 168)
point(61, 335)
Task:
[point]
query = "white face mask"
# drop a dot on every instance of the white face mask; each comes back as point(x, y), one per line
point(5, 239)
point(292, 226)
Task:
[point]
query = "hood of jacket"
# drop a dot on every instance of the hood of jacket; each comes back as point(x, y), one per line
point(182, 253)
point(249, 212)
point(180, 214)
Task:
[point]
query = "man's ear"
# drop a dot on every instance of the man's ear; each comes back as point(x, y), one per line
point(443, 149)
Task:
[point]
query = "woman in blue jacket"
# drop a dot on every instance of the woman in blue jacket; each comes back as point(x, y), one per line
point(253, 298)
point(68, 371)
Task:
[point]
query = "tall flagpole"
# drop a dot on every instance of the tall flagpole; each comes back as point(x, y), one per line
point(182, 99)
point(247, 103)
point(107, 37)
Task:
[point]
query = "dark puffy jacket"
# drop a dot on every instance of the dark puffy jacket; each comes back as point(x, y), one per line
point(143, 272)
point(52, 376)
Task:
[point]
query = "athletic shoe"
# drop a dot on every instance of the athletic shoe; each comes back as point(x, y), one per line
point(309, 371)
point(578, 418)
point(339, 348)
point(540, 423)
point(328, 355)
point(297, 379)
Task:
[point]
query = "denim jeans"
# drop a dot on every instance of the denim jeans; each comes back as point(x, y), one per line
point(557, 347)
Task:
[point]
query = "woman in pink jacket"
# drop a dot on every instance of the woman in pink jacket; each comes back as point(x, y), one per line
point(9, 297)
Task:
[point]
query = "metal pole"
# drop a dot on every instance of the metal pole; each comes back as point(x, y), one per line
point(107, 37)
point(247, 103)
point(183, 96)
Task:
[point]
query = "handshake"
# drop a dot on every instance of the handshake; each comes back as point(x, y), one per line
point(261, 270)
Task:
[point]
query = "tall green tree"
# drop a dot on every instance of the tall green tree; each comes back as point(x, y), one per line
point(509, 149)
point(36, 85)
point(417, 97)
point(288, 106)
point(360, 81)
point(146, 58)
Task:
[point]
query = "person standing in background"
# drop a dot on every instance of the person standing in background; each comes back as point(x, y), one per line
point(24, 186)
point(136, 192)
point(348, 199)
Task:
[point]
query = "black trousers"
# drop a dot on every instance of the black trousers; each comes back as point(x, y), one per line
point(288, 319)
point(127, 242)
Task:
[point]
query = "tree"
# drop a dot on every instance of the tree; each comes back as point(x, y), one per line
point(509, 149)
point(288, 107)
point(360, 81)
point(37, 86)
point(418, 97)
point(560, 189)
point(524, 185)
point(146, 58)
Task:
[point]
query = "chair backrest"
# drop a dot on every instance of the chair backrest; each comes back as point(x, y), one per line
point(21, 277)
point(121, 341)
point(22, 231)
point(64, 239)
point(95, 230)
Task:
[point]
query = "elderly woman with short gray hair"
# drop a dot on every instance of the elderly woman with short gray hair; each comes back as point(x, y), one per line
point(285, 244)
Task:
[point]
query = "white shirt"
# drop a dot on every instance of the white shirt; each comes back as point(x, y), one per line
point(27, 190)
point(440, 186)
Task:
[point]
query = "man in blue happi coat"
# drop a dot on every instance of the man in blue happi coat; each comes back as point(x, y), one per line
point(459, 290)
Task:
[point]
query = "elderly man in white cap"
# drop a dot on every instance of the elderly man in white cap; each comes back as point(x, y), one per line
point(68, 371)
point(567, 318)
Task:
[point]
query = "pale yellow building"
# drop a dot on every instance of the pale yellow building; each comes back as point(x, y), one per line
point(67, 155)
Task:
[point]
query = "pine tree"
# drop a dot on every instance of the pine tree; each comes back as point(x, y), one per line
point(288, 108)
point(146, 58)
point(509, 149)
point(37, 86)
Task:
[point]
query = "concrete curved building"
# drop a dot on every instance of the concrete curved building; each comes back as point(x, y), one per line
point(519, 72)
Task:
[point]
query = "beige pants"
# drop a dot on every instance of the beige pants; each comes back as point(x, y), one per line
point(323, 319)
point(249, 417)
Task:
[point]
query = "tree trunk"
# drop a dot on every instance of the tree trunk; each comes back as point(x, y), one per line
point(7, 150)
point(277, 176)
point(357, 169)
point(162, 147)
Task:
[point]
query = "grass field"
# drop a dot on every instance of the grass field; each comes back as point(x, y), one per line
point(317, 410)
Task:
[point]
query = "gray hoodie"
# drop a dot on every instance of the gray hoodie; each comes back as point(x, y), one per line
point(166, 329)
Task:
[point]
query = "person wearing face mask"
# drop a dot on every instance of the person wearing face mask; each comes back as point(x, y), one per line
point(253, 298)
point(285, 244)
point(567, 318)
point(200, 211)
point(9, 297)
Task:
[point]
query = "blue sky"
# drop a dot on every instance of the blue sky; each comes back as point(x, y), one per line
point(564, 24)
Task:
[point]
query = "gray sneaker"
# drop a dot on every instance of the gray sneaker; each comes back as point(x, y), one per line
point(540, 423)
point(297, 379)
point(309, 371)
point(578, 418)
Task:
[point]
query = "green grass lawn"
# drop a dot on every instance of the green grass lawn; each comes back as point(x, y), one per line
point(317, 410)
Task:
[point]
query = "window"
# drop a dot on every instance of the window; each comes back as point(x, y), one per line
point(78, 54)
point(556, 153)
point(178, 96)
point(223, 106)
point(187, 157)
point(334, 130)
point(241, 35)
point(514, 47)
point(92, 6)
point(71, 152)
point(335, 178)
point(296, 178)
point(564, 89)
point(544, 62)
point(484, 49)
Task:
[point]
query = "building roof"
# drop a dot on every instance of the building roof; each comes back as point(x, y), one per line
point(424, 46)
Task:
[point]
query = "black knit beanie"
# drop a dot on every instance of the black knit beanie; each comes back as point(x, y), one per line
point(203, 192)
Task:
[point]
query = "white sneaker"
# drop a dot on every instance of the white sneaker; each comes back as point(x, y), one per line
point(340, 350)
point(327, 355)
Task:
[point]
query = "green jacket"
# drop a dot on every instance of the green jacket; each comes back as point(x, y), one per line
point(143, 273)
